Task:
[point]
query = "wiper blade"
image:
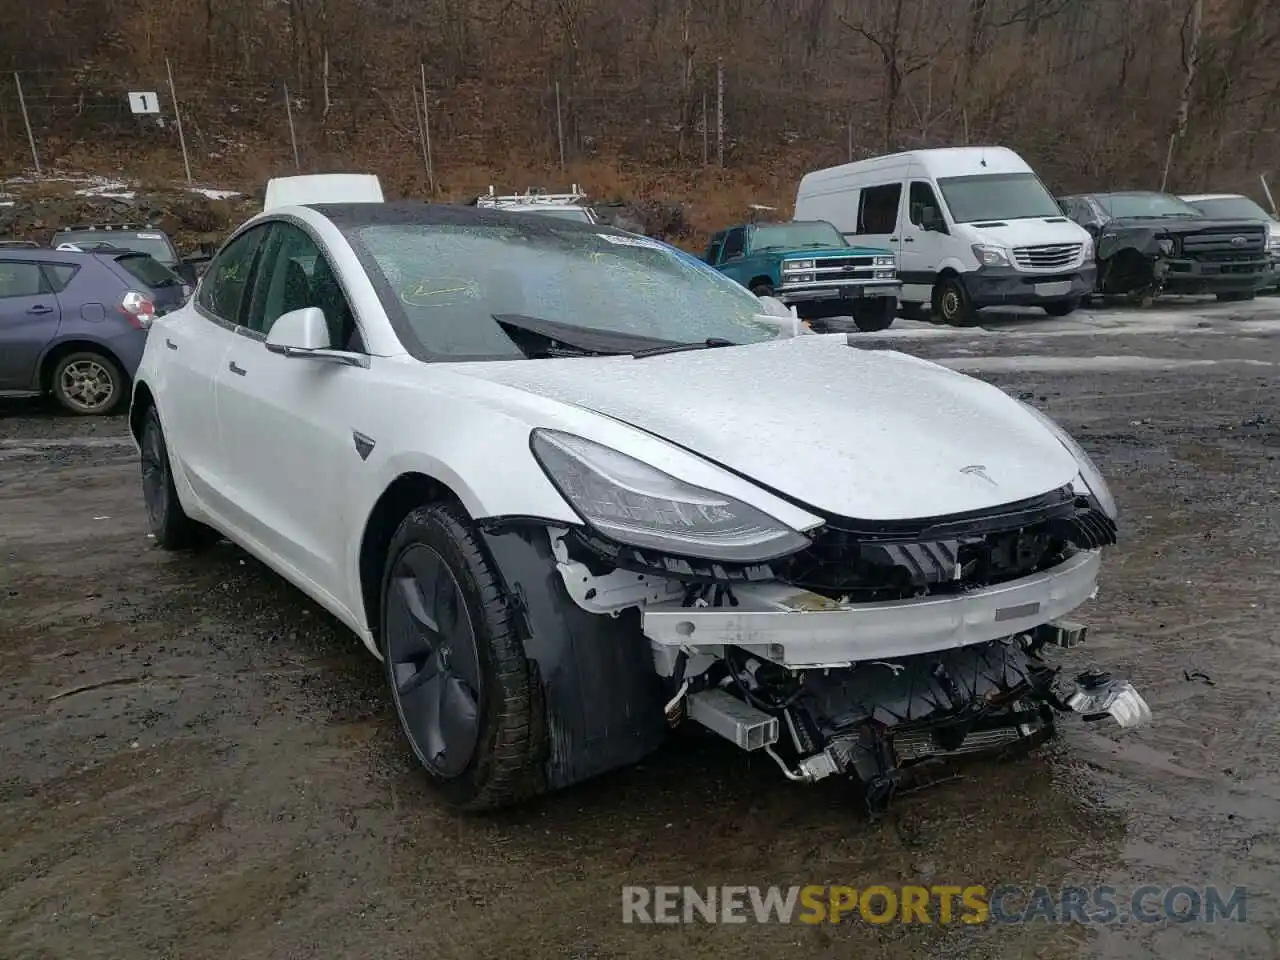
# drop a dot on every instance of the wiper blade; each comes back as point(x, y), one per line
point(709, 343)
point(587, 340)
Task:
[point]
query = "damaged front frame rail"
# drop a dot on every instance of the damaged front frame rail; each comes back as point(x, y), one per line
point(866, 689)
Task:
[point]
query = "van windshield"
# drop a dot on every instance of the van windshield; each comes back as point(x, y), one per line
point(997, 196)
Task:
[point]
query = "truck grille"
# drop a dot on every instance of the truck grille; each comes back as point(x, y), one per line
point(1049, 256)
point(1243, 239)
point(841, 264)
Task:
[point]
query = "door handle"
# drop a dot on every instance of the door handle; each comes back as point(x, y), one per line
point(170, 344)
point(236, 369)
point(908, 239)
point(893, 239)
point(40, 308)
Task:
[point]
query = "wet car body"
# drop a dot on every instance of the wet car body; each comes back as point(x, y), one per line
point(849, 592)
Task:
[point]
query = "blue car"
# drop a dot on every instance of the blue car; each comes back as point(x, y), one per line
point(73, 323)
point(810, 265)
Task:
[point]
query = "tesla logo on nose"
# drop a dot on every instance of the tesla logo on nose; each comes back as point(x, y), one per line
point(978, 470)
point(1238, 241)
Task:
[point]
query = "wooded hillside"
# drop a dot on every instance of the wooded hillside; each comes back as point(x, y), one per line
point(1095, 93)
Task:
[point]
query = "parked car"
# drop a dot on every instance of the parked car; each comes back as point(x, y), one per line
point(146, 239)
point(575, 491)
point(1150, 243)
point(1235, 205)
point(971, 227)
point(73, 324)
point(810, 266)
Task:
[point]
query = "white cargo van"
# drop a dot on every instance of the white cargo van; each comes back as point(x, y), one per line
point(971, 227)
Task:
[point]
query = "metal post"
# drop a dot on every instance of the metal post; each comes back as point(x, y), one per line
point(559, 127)
point(850, 140)
point(31, 139)
point(422, 135)
point(426, 131)
point(720, 112)
point(1267, 190)
point(293, 136)
point(177, 116)
point(706, 133)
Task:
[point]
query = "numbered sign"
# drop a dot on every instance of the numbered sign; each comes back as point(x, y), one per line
point(146, 102)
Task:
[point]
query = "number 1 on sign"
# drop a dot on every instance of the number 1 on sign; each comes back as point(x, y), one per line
point(144, 102)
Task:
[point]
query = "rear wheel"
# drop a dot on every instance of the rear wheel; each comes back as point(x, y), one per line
point(166, 519)
point(88, 383)
point(459, 677)
point(1060, 308)
point(952, 304)
point(875, 314)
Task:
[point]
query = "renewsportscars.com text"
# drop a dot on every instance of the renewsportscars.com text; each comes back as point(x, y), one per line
point(937, 904)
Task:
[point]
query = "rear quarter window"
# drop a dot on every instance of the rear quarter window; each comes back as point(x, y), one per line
point(148, 271)
point(59, 275)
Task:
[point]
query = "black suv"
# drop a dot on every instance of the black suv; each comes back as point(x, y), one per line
point(1147, 243)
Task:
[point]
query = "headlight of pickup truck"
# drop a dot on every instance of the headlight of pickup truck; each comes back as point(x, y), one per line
point(791, 266)
point(1273, 238)
point(1090, 475)
point(884, 262)
point(634, 503)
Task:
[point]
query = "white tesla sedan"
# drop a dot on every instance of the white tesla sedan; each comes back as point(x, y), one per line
point(574, 489)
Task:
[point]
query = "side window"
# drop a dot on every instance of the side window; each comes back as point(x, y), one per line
point(922, 204)
point(21, 279)
point(878, 208)
point(733, 243)
point(294, 274)
point(223, 286)
point(714, 248)
point(58, 275)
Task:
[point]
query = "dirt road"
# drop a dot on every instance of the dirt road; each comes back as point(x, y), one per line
point(197, 762)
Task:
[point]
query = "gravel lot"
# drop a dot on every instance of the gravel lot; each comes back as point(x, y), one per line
point(198, 762)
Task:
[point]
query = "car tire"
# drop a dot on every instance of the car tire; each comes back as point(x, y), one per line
point(952, 304)
point(1235, 297)
point(762, 289)
point(459, 678)
point(88, 383)
point(876, 315)
point(167, 521)
point(1061, 308)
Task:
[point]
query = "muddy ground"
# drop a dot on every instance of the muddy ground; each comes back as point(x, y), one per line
point(197, 762)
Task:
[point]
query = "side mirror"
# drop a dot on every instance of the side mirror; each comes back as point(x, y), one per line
point(305, 334)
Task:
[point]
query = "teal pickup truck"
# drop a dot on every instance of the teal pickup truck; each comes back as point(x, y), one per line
point(808, 264)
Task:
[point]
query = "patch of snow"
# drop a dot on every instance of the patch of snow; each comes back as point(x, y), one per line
point(108, 189)
point(214, 194)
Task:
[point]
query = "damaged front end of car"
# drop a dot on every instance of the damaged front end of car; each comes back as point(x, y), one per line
point(856, 648)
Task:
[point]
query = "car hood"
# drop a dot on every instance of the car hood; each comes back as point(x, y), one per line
point(1029, 231)
point(871, 435)
point(1184, 224)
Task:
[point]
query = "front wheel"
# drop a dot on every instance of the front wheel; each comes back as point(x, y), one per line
point(88, 383)
point(952, 303)
point(1060, 308)
point(875, 314)
point(762, 289)
point(167, 521)
point(459, 677)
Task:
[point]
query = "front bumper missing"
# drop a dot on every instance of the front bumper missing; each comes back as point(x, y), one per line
point(798, 629)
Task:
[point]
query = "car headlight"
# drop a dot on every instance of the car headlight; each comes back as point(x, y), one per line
point(1089, 472)
point(989, 256)
point(884, 262)
point(637, 504)
point(1088, 249)
point(1166, 245)
point(790, 265)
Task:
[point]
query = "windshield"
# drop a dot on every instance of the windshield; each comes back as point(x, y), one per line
point(154, 244)
point(997, 196)
point(1241, 207)
point(1121, 205)
point(795, 236)
point(442, 284)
